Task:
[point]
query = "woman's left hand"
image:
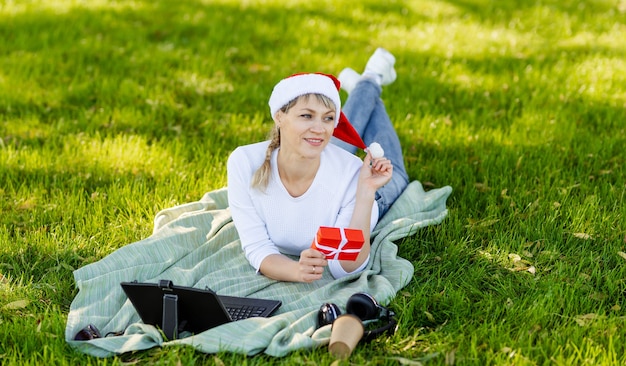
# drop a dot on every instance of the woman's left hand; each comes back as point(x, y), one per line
point(376, 172)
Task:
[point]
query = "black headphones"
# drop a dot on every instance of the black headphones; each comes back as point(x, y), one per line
point(365, 307)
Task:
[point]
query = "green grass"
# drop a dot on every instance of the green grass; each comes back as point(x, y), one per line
point(113, 110)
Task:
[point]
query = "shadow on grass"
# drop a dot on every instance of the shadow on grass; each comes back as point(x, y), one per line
point(144, 58)
point(511, 8)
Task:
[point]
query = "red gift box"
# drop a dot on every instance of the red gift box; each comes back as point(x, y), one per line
point(338, 243)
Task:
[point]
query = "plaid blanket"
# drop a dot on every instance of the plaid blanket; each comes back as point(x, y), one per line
point(196, 244)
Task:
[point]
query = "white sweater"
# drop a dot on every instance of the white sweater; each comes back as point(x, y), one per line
point(273, 221)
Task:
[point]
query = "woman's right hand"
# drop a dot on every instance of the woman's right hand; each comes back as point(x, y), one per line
point(311, 265)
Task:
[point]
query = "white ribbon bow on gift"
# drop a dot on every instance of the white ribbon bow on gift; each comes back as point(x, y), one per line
point(332, 252)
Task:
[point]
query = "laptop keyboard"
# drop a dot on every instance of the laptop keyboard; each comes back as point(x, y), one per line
point(244, 311)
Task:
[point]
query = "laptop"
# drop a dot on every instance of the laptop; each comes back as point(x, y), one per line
point(175, 308)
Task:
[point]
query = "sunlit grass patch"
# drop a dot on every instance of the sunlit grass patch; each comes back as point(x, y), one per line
point(601, 79)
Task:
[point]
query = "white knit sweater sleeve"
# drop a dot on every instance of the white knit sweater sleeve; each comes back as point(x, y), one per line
point(254, 237)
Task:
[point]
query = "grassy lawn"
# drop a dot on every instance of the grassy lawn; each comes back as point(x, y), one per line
point(113, 110)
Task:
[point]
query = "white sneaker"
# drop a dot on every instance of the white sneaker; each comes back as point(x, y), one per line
point(381, 63)
point(348, 78)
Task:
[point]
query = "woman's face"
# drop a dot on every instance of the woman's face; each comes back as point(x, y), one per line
point(306, 128)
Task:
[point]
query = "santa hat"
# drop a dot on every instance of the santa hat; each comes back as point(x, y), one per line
point(296, 85)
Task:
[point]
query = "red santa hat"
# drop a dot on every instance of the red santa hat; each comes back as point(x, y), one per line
point(296, 85)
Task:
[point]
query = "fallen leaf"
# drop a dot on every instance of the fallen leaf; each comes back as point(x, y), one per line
point(405, 361)
point(515, 257)
point(482, 187)
point(481, 223)
point(218, 361)
point(254, 68)
point(450, 357)
point(29, 204)
point(584, 320)
point(512, 354)
point(598, 296)
point(429, 316)
point(622, 254)
point(410, 345)
point(19, 304)
point(583, 236)
point(532, 269)
point(536, 328)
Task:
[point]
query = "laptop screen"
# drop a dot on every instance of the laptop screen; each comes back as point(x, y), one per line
point(191, 309)
point(197, 309)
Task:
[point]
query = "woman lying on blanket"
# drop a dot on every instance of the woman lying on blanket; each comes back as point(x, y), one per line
point(281, 191)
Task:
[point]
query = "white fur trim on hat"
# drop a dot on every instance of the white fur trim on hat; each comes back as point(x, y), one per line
point(292, 87)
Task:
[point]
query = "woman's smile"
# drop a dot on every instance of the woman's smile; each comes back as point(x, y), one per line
point(314, 142)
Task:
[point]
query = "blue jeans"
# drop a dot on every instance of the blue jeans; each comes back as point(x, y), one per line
point(366, 112)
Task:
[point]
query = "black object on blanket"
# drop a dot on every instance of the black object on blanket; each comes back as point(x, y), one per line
point(179, 308)
point(365, 307)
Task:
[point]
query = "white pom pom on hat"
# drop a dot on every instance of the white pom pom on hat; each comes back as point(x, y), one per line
point(297, 85)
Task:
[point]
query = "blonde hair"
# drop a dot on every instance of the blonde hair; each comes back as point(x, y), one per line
point(261, 177)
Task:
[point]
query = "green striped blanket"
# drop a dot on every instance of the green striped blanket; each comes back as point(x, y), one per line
point(196, 244)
